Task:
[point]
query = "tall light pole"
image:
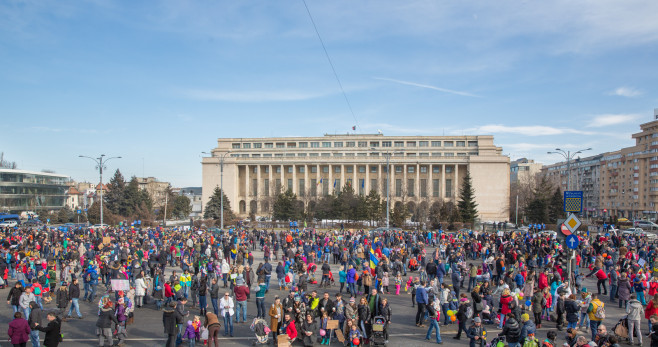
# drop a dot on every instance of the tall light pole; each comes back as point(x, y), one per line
point(221, 187)
point(100, 165)
point(568, 156)
point(387, 154)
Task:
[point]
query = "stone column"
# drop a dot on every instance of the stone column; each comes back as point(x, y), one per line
point(443, 181)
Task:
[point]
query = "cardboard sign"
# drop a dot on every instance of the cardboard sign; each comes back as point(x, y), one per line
point(118, 284)
point(282, 340)
point(106, 240)
point(339, 335)
point(332, 324)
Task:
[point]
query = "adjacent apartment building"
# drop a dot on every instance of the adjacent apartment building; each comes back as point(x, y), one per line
point(424, 169)
point(622, 183)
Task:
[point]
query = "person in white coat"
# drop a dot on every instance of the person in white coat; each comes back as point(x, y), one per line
point(226, 307)
point(225, 270)
point(140, 289)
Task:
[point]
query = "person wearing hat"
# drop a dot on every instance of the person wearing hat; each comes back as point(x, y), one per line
point(477, 333)
point(531, 341)
point(104, 323)
point(241, 291)
point(528, 327)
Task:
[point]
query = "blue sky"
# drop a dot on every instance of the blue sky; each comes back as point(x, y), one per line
point(157, 82)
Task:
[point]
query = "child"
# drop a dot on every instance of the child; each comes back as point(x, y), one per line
point(409, 283)
point(323, 326)
point(416, 284)
point(342, 278)
point(190, 334)
point(385, 282)
point(531, 340)
point(196, 323)
point(398, 283)
point(354, 334)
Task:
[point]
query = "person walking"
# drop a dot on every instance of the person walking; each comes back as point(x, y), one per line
point(596, 314)
point(422, 301)
point(19, 330)
point(104, 323)
point(14, 297)
point(214, 295)
point(74, 297)
point(34, 319)
point(169, 318)
point(140, 290)
point(25, 300)
point(634, 310)
point(241, 291)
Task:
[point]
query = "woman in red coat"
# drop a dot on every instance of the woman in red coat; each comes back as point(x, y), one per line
point(651, 309)
point(288, 326)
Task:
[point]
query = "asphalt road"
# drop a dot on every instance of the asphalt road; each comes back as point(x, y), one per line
point(148, 330)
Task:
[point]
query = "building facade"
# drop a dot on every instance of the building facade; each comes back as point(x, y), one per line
point(157, 190)
point(523, 169)
point(423, 169)
point(22, 190)
point(196, 199)
point(622, 183)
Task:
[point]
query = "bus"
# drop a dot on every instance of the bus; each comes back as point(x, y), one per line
point(8, 218)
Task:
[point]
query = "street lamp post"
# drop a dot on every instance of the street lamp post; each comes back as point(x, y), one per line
point(221, 187)
point(568, 156)
point(387, 154)
point(100, 165)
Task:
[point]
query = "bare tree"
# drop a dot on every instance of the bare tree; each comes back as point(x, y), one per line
point(5, 163)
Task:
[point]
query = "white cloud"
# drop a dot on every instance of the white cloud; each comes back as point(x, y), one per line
point(250, 96)
point(444, 90)
point(628, 92)
point(611, 119)
point(528, 130)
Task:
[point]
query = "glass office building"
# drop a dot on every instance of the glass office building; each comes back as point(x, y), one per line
point(22, 190)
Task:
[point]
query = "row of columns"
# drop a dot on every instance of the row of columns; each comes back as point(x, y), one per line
point(246, 181)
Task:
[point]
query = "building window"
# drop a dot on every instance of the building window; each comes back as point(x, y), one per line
point(292, 145)
point(423, 169)
point(373, 169)
point(325, 187)
point(411, 154)
point(374, 154)
point(325, 169)
point(450, 154)
point(314, 169)
point(266, 186)
point(373, 184)
point(254, 187)
point(398, 168)
point(422, 143)
point(386, 143)
point(362, 186)
point(289, 184)
point(266, 169)
point(436, 169)
point(461, 143)
point(411, 143)
point(314, 154)
point(236, 146)
point(315, 144)
point(448, 144)
point(314, 187)
point(269, 145)
point(290, 154)
point(362, 154)
point(301, 154)
point(245, 155)
point(449, 169)
point(303, 144)
point(325, 154)
point(280, 145)
point(435, 188)
point(255, 155)
point(436, 154)
point(302, 169)
point(362, 169)
point(337, 185)
point(267, 155)
point(349, 169)
point(258, 145)
point(289, 169)
point(448, 188)
point(398, 187)
point(436, 143)
point(399, 143)
point(349, 154)
point(338, 144)
point(411, 169)
point(424, 154)
point(255, 169)
point(410, 187)
point(350, 144)
point(246, 145)
point(363, 143)
point(302, 187)
point(472, 143)
point(337, 169)
point(338, 154)
point(277, 169)
point(374, 143)
point(326, 144)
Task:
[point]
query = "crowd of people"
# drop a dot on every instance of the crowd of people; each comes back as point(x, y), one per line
point(330, 285)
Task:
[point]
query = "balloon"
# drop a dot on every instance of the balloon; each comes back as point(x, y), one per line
point(520, 295)
point(355, 342)
point(528, 302)
point(450, 313)
point(322, 332)
point(453, 318)
point(605, 255)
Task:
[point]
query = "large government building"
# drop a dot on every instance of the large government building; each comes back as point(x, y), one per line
point(22, 190)
point(424, 169)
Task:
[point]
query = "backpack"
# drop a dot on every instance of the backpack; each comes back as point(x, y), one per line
point(37, 290)
point(531, 343)
point(88, 277)
point(599, 312)
point(469, 311)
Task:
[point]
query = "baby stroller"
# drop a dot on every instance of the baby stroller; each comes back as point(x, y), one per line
point(262, 331)
point(377, 337)
point(621, 329)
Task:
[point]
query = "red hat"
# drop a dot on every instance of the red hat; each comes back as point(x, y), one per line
point(121, 293)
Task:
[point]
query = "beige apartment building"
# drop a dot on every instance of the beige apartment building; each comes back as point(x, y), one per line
point(424, 169)
point(622, 183)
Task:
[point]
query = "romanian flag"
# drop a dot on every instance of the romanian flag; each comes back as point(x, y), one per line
point(373, 259)
point(319, 182)
point(234, 253)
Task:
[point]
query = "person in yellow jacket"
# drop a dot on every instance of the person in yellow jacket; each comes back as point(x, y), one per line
point(596, 313)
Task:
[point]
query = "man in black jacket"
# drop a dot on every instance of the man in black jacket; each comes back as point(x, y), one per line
point(52, 330)
point(325, 305)
point(74, 297)
point(169, 318)
point(62, 298)
point(104, 323)
point(511, 330)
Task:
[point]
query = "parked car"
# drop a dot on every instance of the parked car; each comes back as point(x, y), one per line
point(32, 223)
point(646, 225)
point(8, 224)
point(99, 226)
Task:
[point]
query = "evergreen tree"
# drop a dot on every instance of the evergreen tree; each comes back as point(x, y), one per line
point(65, 215)
point(555, 207)
point(287, 207)
point(373, 206)
point(113, 197)
point(182, 207)
point(94, 214)
point(466, 205)
point(537, 209)
point(213, 207)
point(399, 215)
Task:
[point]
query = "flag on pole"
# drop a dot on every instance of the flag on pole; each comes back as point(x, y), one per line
point(320, 182)
point(334, 183)
point(363, 183)
point(373, 259)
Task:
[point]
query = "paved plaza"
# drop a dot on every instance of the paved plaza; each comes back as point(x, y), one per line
point(148, 330)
